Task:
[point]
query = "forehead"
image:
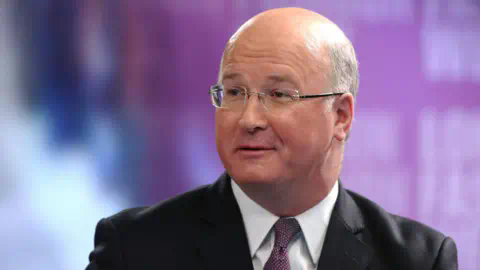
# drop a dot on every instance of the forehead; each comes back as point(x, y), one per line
point(260, 57)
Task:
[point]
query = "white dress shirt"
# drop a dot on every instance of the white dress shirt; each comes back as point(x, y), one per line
point(305, 248)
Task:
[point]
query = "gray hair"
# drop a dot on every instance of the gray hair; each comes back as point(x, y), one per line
point(344, 74)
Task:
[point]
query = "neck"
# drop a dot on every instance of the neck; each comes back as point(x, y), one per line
point(292, 197)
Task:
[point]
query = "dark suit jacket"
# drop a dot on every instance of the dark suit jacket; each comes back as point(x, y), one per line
point(203, 229)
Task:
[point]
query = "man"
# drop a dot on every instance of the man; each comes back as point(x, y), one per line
point(285, 105)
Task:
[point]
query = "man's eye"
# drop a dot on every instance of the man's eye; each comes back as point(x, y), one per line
point(280, 94)
point(233, 92)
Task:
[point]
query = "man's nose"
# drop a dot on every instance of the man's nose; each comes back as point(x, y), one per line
point(253, 115)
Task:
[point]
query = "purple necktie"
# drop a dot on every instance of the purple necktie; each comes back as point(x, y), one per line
point(285, 229)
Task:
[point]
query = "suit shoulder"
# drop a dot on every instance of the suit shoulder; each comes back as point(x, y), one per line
point(372, 210)
point(402, 237)
point(181, 207)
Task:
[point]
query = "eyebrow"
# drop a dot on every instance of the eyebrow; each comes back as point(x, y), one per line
point(275, 78)
point(230, 76)
point(278, 78)
point(282, 78)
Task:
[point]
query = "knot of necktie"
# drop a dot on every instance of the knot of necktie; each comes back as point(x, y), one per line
point(285, 229)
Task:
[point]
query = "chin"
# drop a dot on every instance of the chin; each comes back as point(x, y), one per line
point(248, 176)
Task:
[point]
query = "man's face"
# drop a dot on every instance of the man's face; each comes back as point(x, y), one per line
point(265, 146)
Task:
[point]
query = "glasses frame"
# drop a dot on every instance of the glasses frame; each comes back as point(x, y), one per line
point(217, 88)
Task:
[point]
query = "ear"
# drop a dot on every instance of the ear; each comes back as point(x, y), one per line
point(343, 109)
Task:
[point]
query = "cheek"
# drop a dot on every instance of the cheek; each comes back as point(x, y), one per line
point(219, 129)
point(305, 136)
point(225, 124)
point(226, 120)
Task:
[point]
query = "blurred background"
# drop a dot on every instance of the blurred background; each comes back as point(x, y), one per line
point(104, 106)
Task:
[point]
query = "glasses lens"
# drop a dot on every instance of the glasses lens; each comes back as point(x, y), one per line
point(216, 95)
point(276, 98)
point(235, 98)
point(218, 98)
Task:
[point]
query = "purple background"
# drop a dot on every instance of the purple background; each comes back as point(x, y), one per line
point(414, 148)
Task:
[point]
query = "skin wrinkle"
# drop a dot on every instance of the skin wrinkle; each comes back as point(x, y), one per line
point(291, 77)
point(268, 57)
point(310, 70)
point(263, 48)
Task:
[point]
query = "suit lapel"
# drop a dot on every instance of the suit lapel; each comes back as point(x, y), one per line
point(224, 244)
point(342, 248)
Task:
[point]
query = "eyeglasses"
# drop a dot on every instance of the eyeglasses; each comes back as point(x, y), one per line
point(236, 98)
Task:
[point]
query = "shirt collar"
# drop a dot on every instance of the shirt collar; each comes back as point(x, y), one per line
point(257, 220)
point(314, 222)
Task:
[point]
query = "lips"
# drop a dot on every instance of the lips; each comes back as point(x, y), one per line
point(252, 151)
point(254, 148)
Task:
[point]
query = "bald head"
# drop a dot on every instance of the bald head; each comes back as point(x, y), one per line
point(316, 42)
point(288, 23)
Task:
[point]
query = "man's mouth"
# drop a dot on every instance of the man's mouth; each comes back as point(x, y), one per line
point(254, 148)
point(254, 151)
